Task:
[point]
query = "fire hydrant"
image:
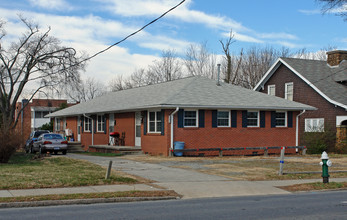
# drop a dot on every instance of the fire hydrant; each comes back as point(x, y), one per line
point(325, 163)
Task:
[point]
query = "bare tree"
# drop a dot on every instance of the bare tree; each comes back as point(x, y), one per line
point(167, 68)
point(85, 90)
point(36, 58)
point(200, 62)
point(337, 6)
point(119, 83)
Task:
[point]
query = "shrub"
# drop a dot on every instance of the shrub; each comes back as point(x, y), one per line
point(317, 142)
point(10, 141)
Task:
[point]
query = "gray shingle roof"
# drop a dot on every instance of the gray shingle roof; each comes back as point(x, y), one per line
point(323, 76)
point(192, 92)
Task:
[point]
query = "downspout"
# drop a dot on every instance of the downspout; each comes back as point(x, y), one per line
point(297, 128)
point(171, 118)
point(92, 127)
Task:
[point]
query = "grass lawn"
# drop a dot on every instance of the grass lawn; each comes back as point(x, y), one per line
point(26, 171)
point(315, 186)
point(252, 167)
point(160, 193)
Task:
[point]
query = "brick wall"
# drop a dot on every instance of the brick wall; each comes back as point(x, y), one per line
point(209, 137)
point(303, 93)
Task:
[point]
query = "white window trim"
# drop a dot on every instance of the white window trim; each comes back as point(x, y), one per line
point(258, 121)
point(268, 89)
point(101, 122)
point(196, 119)
point(84, 124)
point(311, 119)
point(286, 90)
point(285, 120)
point(229, 121)
point(57, 125)
point(155, 122)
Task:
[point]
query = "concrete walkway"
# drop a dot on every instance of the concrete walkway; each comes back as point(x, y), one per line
point(190, 184)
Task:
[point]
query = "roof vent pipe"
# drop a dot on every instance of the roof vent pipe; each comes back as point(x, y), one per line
point(218, 76)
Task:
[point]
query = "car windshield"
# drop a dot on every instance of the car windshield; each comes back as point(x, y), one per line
point(38, 133)
point(52, 136)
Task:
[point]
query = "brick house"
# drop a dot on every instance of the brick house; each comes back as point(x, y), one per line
point(322, 84)
point(194, 110)
point(33, 115)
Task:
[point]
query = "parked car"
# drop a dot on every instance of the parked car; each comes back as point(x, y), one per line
point(33, 138)
point(50, 142)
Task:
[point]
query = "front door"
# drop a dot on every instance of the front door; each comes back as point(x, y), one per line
point(79, 128)
point(138, 129)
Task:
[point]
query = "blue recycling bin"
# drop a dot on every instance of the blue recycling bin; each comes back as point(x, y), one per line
point(178, 145)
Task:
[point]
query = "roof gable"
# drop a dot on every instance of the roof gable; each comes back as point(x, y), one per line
point(318, 75)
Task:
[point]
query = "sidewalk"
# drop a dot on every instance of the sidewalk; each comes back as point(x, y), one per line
point(73, 190)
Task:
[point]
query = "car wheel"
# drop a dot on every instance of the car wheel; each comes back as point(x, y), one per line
point(27, 150)
point(55, 152)
point(31, 150)
point(64, 152)
point(41, 151)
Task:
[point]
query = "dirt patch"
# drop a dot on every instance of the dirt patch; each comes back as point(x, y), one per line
point(315, 186)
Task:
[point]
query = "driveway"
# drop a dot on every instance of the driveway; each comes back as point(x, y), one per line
point(190, 184)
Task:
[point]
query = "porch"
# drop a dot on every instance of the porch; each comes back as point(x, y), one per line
point(124, 150)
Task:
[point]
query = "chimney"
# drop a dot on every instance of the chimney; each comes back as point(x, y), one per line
point(336, 56)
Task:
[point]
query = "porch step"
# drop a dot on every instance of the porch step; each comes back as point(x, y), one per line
point(132, 152)
point(74, 147)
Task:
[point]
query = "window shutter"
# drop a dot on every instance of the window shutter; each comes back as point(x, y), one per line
point(214, 118)
point(145, 123)
point(82, 124)
point(290, 119)
point(95, 119)
point(104, 120)
point(262, 119)
point(233, 118)
point(162, 121)
point(273, 119)
point(201, 118)
point(180, 118)
point(244, 119)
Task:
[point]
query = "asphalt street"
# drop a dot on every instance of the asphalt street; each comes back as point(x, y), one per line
point(318, 205)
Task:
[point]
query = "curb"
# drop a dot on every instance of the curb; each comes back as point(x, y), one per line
point(82, 201)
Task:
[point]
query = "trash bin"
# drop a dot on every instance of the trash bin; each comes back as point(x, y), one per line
point(178, 145)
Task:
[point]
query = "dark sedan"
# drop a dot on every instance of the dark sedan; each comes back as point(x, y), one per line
point(51, 142)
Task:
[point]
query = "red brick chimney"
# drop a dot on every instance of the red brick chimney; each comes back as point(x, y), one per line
point(336, 56)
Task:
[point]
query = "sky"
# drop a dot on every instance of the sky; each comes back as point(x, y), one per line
point(92, 25)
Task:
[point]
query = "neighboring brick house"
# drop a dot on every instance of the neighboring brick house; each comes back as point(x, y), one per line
point(322, 84)
point(194, 110)
point(33, 115)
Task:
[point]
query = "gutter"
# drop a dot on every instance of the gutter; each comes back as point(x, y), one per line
point(297, 128)
point(171, 120)
point(91, 128)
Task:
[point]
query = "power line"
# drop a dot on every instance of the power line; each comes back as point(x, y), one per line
point(132, 34)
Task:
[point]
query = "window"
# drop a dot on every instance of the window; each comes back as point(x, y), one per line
point(281, 119)
point(57, 124)
point(271, 90)
point(41, 114)
point(38, 114)
point(223, 118)
point(101, 123)
point(190, 119)
point(289, 88)
point(87, 124)
point(314, 125)
point(252, 119)
point(154, 122)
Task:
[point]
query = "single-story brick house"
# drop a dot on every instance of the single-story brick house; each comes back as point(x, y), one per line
point(322, 84)
point(194, 110)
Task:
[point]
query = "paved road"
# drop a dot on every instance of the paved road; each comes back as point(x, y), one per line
point(190, 184)
point(322, 205)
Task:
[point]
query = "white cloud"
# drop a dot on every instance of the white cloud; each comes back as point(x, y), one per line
point(51, 4)
point(277, 36)
point(310, 12)
point(245, 38)
point(157, 7)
